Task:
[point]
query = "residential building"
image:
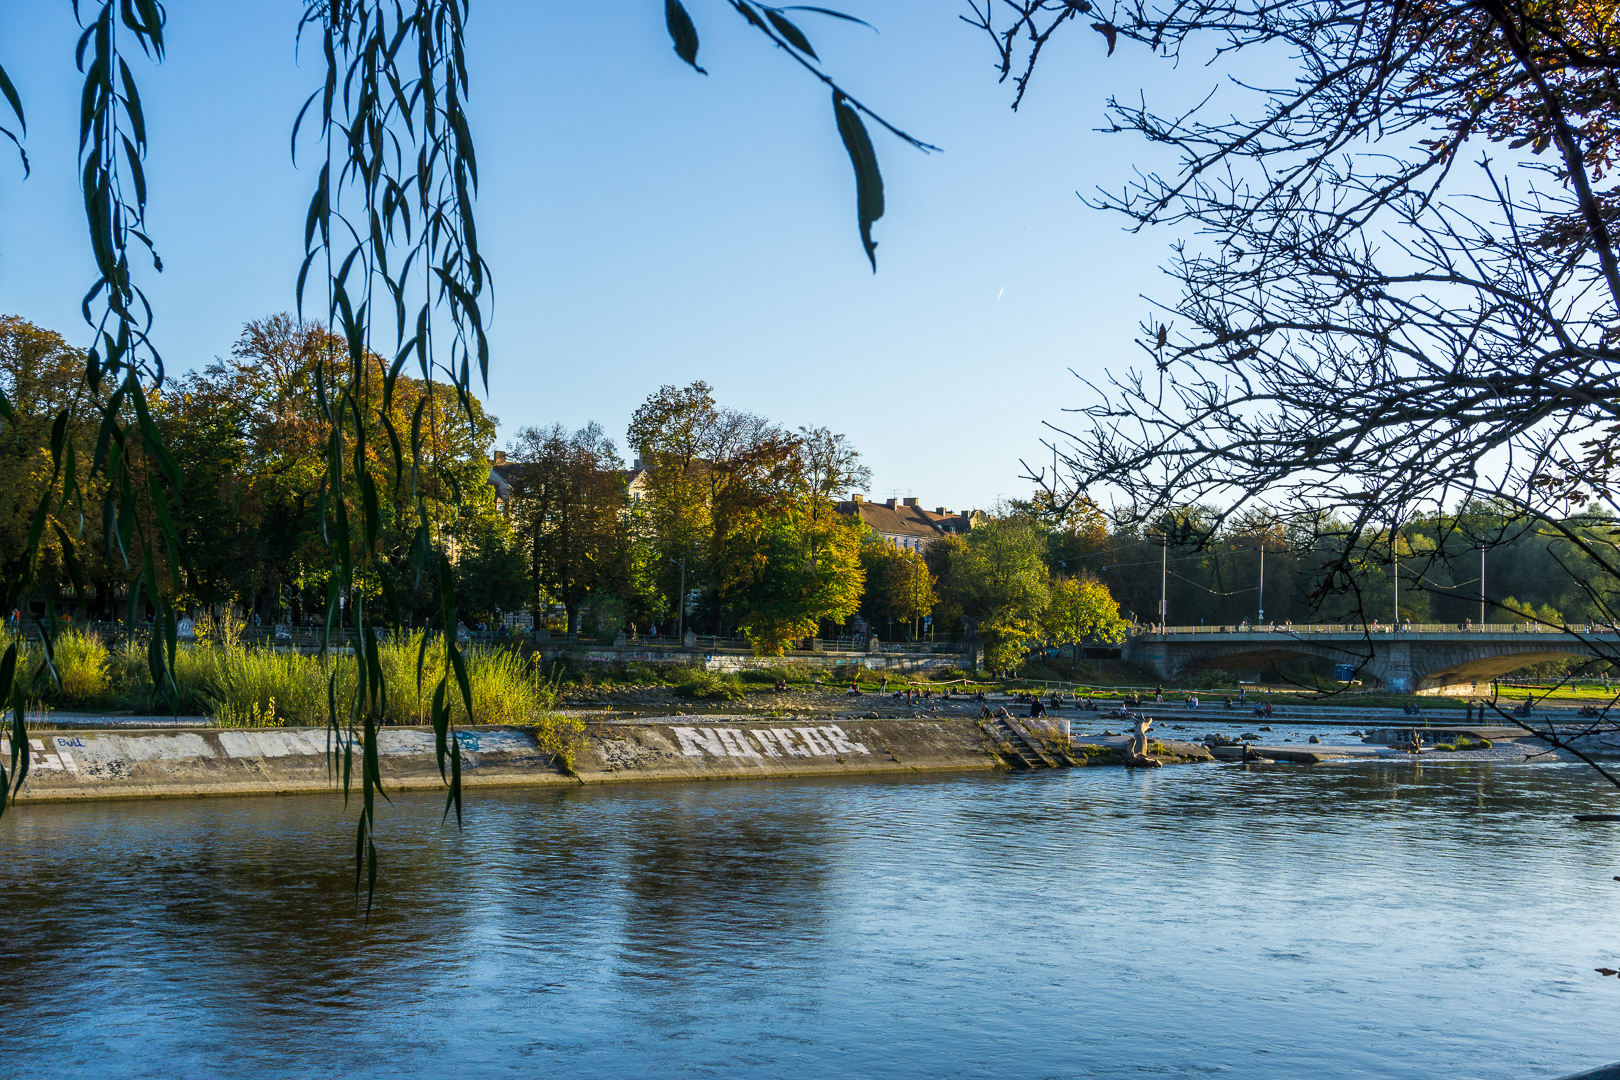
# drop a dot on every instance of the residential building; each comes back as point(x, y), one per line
point(503, 473)
point(905, 524)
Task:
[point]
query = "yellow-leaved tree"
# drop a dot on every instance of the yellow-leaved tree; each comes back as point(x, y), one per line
point(1082, 610)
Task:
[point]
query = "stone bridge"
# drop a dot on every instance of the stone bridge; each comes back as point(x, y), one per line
point(1419, 658)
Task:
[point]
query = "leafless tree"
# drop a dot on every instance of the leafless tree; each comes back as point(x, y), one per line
point(1398, 272)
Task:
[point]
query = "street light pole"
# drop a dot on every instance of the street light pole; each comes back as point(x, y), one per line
point(1482, 586)
point(1395, 561)
point(1262, 618)
point(1164, 585)
point(680, 608)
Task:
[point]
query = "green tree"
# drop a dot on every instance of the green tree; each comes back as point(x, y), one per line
point(569, 512)
point(998, 577)
point(492, 574)
point(671, 516)
point(41, 378)
point(830, 466)
point(899, 584)
point(1082, 610)
point(1001, 568)
point(251, 440)
point(790, 587)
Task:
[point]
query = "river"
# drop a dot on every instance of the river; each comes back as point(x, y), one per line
point(1394, 920)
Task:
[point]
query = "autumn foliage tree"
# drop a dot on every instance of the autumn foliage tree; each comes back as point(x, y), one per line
point(568, 509)
point(743, 510)
point(252, 438)
point(899, 584)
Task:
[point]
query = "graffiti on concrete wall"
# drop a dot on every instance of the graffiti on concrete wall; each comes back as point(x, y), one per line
point(58, 757)
point(761, 743)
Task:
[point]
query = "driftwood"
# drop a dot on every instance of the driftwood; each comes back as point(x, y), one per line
point(1136, 756)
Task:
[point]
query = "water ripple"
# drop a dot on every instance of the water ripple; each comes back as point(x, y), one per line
point(1400, 920)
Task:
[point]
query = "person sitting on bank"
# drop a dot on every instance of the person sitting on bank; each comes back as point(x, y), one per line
point(854, 690)
point(1036, 709)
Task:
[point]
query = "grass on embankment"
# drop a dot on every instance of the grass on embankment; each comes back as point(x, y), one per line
point(241, 687)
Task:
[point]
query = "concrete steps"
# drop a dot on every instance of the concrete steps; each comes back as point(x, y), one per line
point(1013, 741)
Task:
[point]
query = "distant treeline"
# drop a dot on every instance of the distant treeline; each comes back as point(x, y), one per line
point(718, 505)
point(1317, 572)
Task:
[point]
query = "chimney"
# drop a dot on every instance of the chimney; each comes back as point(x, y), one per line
point(941, 511)
point(911, 502)
point(854, 498)
point(500, 457)
point(889, 503)
point(637, 465)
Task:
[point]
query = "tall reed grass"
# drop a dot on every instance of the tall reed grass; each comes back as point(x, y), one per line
point(238, 686)
point(83, 663)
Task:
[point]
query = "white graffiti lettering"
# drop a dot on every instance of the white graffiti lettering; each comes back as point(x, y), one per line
point(736, 743)
point(43, 760)
point(813, 740)
point(840, 741)
point(785, 737)
point(693, 742)
point(62, 745)
point(724, 742)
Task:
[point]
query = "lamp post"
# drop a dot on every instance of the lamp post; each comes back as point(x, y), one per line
point(1395, 562)
point(1164, 584)
point(1262, 618)
point(680, 607)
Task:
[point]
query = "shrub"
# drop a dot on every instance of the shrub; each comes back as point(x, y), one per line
point(701, 683)
point(645, 674)
point(238, 686)
point(81, 661)
point(226, 717)
point(561, 736)
point(503, 691)
point(783, 672)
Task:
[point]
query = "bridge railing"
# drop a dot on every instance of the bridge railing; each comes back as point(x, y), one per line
point(1381, 629)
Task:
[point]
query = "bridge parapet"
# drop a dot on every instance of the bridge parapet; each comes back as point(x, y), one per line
point(1425, 656)
point(1427, 631)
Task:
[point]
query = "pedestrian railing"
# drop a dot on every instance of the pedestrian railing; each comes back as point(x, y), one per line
point(1379, 629)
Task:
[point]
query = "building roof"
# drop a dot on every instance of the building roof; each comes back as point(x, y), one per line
point(904, 518)
point(502, 473)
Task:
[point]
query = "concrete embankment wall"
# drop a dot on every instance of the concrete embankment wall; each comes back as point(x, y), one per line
point(72, 765)
point(898, 663)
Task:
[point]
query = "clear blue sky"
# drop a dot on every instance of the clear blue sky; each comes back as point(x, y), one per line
point(646, 224)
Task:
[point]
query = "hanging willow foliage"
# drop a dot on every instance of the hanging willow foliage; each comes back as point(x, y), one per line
point(391, 251)
point(785, 35)
point(391, 231)
point(122, 365)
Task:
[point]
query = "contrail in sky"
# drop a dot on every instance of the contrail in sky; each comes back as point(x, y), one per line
point(998, 295)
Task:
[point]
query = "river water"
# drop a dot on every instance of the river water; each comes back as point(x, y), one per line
point(1393, 920)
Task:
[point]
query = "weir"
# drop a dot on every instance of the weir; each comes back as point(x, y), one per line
point(171, 763)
